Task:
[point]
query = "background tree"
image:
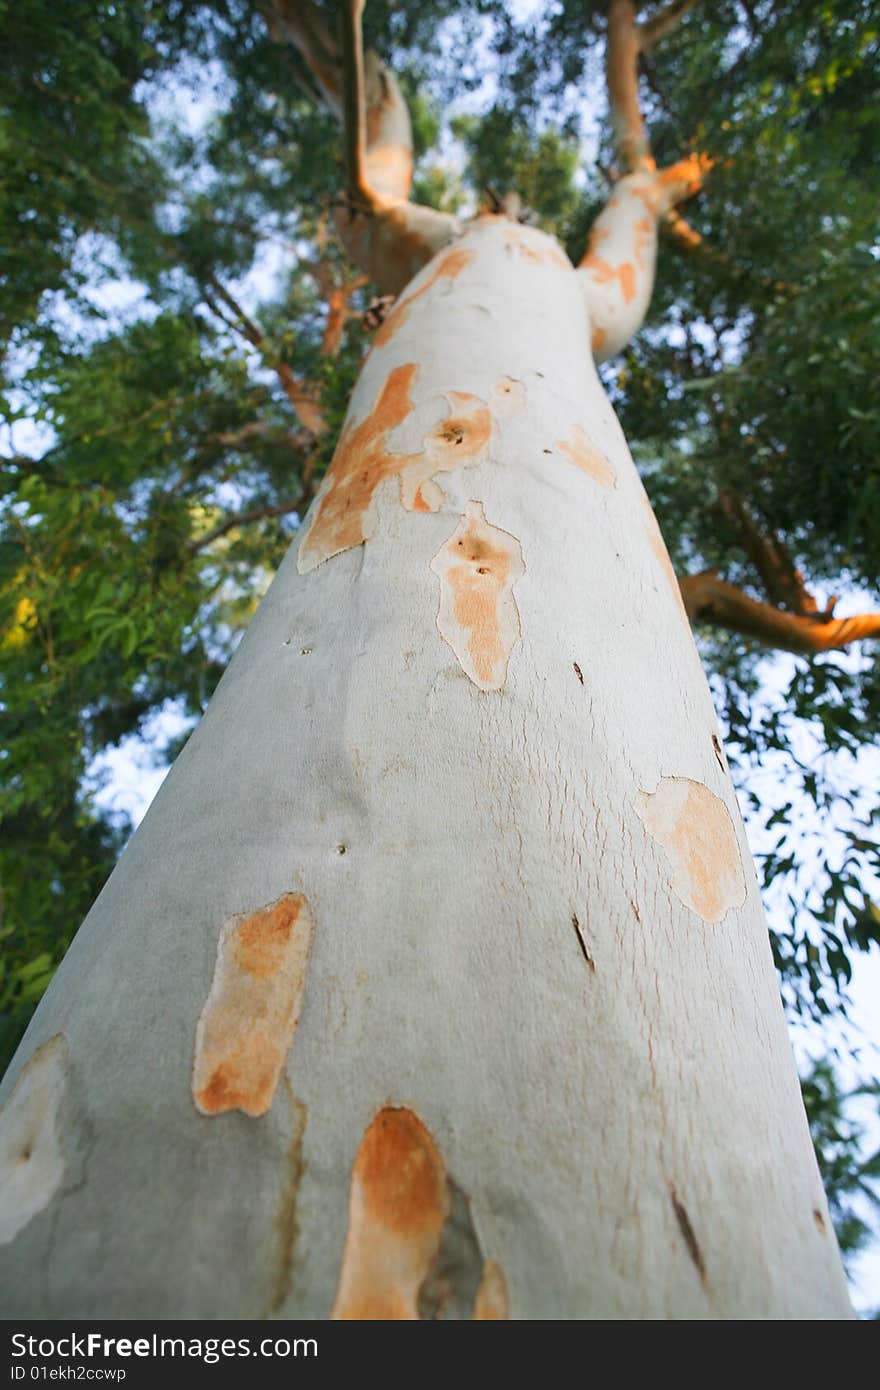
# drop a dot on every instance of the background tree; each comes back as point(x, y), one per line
point(190, 428)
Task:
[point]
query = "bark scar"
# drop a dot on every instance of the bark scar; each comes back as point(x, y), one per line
point(411, 1252)
point(694, 828)
point(247, 1025)
point(478, 616)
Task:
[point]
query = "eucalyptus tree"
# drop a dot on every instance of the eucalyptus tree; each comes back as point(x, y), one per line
point(436, 982)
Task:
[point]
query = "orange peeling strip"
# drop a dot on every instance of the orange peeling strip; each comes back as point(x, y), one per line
point(253, 1006)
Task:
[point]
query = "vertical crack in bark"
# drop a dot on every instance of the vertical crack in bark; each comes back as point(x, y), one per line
point(582, 942)
point(687, 1231)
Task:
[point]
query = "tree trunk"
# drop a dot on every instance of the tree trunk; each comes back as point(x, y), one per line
point(436, 980)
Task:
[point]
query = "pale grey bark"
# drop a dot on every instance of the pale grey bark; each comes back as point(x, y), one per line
point(528, 929)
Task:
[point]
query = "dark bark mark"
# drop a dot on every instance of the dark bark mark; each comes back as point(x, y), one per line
point(286, 1224)
point(578, 672)
point(450, 1287)
point(819, 1220)
point(581, 940)
point(717, 747)
point(687, 1231)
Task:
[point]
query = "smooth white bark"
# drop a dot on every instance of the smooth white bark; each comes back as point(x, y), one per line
point(512, 882)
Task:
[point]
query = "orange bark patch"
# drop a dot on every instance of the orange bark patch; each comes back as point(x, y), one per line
point(359, 465)
point(543, 252)
point(644, 235)
point(698, 838)
point(478, 616)
point(458, 440)
point(397, 1206)
point(345, 514)
point(389, 169)
point(491, 1302)
point(448, 267)
point(253, 1006)
point(397, 1264)
point(580, 450)
point(598, 339)
point(604, 274)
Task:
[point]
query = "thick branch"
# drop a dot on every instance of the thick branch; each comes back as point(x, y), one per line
point(301, 25)
point(709, 599)
point(384, 234)
point(617, 269)
point(622, 69)
point(782, 580)
point(354, 102)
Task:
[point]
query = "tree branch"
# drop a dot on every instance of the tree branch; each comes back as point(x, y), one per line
point(387, 236)
point(300, 395)
point(354, 104)
point(709, 599)
point(301, 25)
point(242, 519)
point(617, 269)
point(650, 31)
point(783, 582)
point(622, 71)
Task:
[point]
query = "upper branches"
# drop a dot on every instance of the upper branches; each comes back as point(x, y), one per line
point(617, 270)
point(384, 233)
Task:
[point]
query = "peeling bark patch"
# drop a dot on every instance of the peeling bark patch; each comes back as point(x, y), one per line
point(580, 450)
point(345, 512)
point(253, 1006)
point(478, 616)
point(459, 440)
point(398, 1204)
point(31, 1158)
point(687, 1231)
point(412, 1251)
point(697, 835)
point(582, 942)
point(491, 1303)
point(543, 252)
point(604, 273)
point(448, 267)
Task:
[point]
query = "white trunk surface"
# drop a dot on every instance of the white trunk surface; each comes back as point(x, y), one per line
point(443, 934)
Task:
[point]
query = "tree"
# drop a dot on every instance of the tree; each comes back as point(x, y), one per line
point(469, 953)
